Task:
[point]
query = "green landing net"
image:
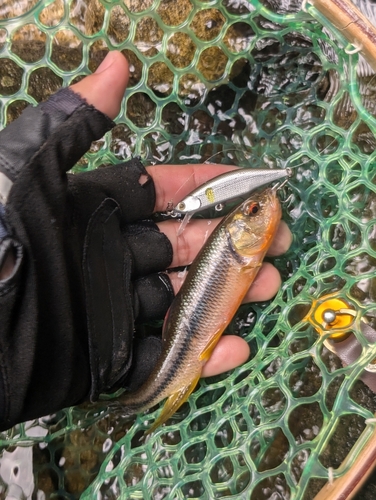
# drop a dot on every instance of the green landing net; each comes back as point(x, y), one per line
point(257, 84)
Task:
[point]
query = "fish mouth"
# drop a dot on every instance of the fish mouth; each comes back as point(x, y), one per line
point(272, 198)
point(271, 194)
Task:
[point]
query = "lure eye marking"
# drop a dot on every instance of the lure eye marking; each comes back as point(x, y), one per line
point(190, 204)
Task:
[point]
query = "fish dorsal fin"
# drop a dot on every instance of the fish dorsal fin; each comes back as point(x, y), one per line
point(174, 402)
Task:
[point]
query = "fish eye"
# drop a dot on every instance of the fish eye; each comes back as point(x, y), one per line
point(251, 208)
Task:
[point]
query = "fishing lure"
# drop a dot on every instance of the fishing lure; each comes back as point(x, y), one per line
point(226, 187)
point(217, 282)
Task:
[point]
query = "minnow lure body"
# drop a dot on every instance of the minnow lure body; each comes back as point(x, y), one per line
point(216, 284)
point(229, 186)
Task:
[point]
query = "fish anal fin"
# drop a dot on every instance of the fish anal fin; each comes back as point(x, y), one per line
point(206, 353)
point(173, 402)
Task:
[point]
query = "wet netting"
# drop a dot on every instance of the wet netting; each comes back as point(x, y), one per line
point(257, 84)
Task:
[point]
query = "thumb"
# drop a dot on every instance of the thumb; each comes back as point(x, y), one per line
point(105, 88)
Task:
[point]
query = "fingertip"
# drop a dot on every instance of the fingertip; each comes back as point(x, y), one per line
point(282, 240)
point(230, 352)
point(266, 284)
point(115, 58)
point(105, 88)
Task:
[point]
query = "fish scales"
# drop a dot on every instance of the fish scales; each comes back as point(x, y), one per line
point(192, 310)
point(214, 288)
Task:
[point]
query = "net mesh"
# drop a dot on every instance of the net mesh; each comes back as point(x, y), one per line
point(257, 84)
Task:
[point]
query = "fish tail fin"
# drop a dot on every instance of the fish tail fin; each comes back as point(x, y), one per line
point(174, 401)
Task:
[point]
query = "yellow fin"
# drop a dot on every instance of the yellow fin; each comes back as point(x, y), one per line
point(173, 403)
point(206, 353)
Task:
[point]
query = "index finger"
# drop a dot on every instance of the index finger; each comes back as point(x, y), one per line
point(173, 182)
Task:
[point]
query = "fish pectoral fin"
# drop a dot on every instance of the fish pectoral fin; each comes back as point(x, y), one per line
point(164, 328)
point(173, 403)
point(206, 353)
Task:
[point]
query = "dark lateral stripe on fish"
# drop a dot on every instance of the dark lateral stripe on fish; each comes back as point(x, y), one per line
point(216, 283)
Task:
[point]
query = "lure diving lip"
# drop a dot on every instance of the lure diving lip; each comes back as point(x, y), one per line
point(226, 187)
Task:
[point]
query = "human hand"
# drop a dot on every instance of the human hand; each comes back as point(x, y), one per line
point(173, 183)
point(75, 253)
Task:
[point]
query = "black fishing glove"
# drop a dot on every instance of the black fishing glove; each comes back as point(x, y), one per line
point(89, 264)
